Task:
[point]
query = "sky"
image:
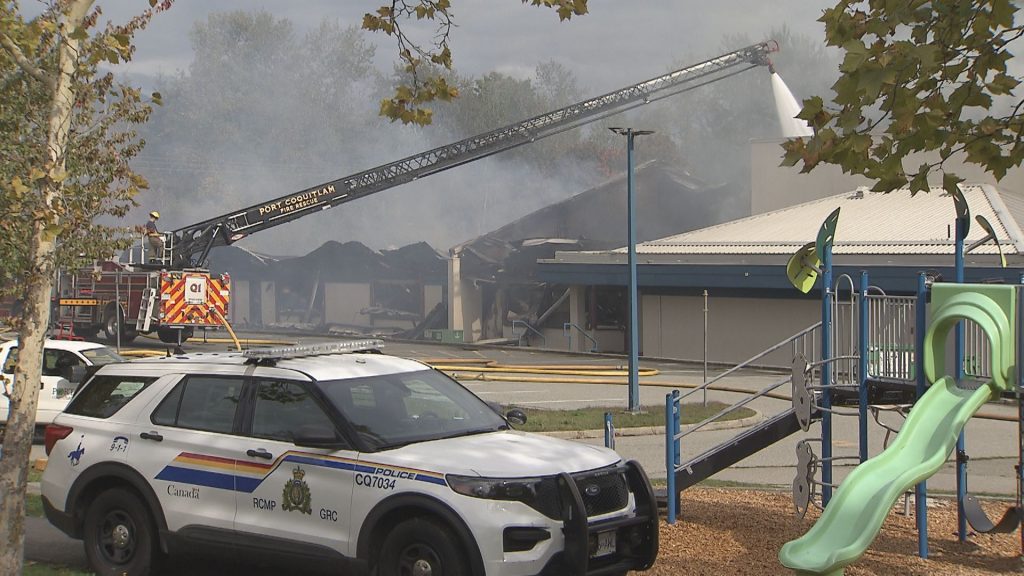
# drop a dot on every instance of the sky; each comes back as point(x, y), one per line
point(619, 42)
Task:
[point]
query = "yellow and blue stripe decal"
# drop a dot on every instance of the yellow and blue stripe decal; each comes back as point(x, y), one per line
point(245, 476)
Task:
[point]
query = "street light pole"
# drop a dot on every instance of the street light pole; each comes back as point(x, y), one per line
point(634, 336)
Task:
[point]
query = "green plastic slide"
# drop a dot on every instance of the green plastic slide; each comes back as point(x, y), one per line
point(854, 516)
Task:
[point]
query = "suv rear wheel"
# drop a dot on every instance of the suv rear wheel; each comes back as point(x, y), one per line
point(421, 547)
point(119, 535)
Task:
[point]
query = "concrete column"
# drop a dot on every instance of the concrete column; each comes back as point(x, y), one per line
point(464, 302)
point(578, 317)
point(268, 303)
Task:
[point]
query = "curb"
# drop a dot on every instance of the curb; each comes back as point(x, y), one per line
point(655, 430)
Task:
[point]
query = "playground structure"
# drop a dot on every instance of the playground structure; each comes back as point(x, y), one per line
point(878, 368)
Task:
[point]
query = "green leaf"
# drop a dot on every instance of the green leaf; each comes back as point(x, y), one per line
point(950, 182)
point(856, 56)
point(1002, 12)
point(919, 183)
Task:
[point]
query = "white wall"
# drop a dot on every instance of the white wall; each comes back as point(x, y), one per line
point(268, 303)
point(738, 328)
point(343, 303)
point(238, 307)
point(432, 296)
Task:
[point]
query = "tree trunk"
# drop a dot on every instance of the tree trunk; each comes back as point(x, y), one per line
point(24, 396)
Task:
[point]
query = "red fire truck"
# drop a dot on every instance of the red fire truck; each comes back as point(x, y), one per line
point(124, 300)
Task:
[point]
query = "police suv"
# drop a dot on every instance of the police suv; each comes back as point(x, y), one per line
point(57, 383)
point(377, 464)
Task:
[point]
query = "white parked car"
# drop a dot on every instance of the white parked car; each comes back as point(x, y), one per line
point(60, 358)
point(375, 464)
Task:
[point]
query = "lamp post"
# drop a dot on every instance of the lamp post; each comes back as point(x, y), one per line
point(634, 337)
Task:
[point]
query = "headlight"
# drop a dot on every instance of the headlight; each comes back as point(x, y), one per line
point(541, 494)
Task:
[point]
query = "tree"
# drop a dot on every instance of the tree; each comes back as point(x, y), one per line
point(263, 110)
point(495, 100)
point(67, 138)
point(917, 77)
point(407, 102)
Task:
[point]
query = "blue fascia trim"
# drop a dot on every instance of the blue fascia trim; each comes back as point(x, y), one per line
point(895, 279)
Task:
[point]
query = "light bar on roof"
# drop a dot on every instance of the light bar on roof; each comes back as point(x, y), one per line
point(343, 347)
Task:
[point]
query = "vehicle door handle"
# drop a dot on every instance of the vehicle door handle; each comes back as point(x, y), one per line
point(261, 453)
point(151, 436)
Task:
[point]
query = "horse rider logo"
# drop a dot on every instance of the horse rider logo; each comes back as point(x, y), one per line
point(296, 494)
point(76, 455)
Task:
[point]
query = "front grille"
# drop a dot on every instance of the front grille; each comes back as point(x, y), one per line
point(602, 492)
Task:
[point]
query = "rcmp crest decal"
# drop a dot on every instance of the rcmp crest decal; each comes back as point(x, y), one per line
point(296, 494)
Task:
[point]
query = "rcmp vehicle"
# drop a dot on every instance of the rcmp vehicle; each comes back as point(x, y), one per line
point(60, 360)
point(377, 464)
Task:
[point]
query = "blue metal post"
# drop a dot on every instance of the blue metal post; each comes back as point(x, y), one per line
point(958, 356)
point(826, 381)
point(862, 367)
point(609, 431)
point(676, 428)
point(921, 490)
point(634, 336)
point(671, 452)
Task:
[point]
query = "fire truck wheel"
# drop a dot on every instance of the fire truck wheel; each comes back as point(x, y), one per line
point(115, 315)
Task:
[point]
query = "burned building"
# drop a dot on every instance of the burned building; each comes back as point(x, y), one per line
point(342, 287)
point(495, 293)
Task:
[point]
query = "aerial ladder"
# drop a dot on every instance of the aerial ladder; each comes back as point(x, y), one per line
point(189, 247)
point(179, 294)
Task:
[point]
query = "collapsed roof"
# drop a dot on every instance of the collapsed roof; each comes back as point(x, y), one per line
point(335, 262)
point(668, 201)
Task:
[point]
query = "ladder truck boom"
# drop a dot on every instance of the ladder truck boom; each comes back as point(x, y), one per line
point(189, 247)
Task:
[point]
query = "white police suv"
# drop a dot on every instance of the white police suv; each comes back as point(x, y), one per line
point(57, 384)
point(376, 464)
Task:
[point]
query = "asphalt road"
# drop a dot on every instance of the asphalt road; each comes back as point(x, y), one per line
point(991, 444)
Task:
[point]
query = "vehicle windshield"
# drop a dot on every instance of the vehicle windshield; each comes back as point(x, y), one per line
point(102, 355)
point(397, 409)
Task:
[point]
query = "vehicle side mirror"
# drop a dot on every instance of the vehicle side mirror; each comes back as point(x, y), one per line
point(318, 437)
point(516, 416)
point(330, 442)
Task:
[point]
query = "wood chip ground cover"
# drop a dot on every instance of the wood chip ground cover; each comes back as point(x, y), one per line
point(726, 531)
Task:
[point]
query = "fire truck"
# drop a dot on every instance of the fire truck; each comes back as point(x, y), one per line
point(125, 299)
point(173, 293)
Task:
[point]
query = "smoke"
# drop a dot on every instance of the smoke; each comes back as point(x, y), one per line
point(443, 210)
point(265, 141)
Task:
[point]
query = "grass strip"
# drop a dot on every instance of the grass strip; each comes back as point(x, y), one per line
point(542, 420)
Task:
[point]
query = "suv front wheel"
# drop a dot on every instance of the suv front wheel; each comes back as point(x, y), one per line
point(421, 547)
point(119, 535)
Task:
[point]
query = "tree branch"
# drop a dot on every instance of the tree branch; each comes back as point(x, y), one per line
point(19, 58)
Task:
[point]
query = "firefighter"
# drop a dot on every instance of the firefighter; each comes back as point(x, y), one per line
point(156, 239)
